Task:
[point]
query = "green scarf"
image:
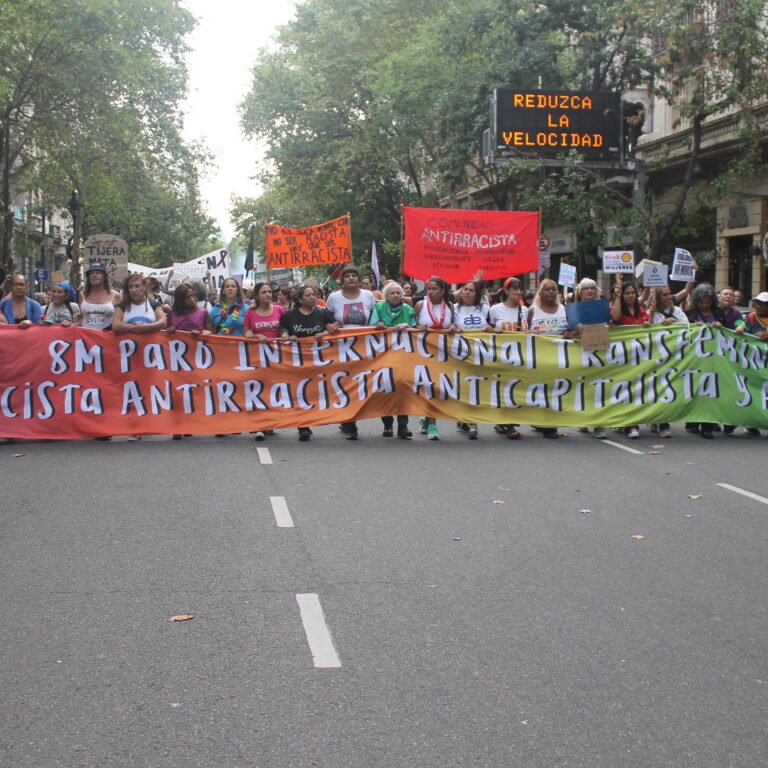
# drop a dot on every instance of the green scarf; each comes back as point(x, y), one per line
point(391, 317)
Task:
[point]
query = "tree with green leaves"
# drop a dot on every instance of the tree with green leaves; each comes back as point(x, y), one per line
point(363, 105)
point(90, 90)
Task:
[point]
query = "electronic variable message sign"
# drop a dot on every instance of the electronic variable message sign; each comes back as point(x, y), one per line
point(551, 123)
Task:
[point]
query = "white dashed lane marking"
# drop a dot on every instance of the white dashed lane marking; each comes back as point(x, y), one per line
point(280, 510)
point(318, 636)
point(623, 447)
point(748, 494)
point(264, 455)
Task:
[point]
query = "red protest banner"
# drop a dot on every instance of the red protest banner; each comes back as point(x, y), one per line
point(455, 244)
point(328, 243)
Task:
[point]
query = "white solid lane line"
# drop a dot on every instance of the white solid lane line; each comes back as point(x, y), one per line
point(319, 638)
point(264, 455)
point(280, 510)
point(748, 494)
point(623, 447)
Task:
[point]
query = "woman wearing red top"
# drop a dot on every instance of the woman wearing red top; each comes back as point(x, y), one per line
point(627, 310)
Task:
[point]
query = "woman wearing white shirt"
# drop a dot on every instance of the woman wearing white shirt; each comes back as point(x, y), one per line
point(434, 312)
point(470, 314)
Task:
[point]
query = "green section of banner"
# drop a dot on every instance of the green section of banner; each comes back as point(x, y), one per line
point(673, 373)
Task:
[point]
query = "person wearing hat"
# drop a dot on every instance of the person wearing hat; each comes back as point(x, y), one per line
point(756, 322)
point(98, 301)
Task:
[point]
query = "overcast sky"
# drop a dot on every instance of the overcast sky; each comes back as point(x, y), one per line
point(224, 47)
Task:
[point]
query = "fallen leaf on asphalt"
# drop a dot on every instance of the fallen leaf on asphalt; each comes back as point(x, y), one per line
point(18, 455)
point(689, 463)
point(654, 453)
point(695, 495)
point(182, 617)
point(658, 446)
point(689, 515)
point(498, 501)
point(431, 586)
point(456, 538)
point(585, 511)
point(637, 536)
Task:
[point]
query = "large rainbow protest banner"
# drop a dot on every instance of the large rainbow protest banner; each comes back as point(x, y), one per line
point(74, 383)
point(458, 243)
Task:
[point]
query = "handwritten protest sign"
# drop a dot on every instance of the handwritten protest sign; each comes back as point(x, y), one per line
point(112, 252)
point(618, 261)
point(74, 383)
point(682, 266)
point(455, 244)
point(328, 243)
point(567, 275)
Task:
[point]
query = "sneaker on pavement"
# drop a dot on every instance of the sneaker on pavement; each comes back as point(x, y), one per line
point(599, 433)
point(633, 434)
point(258, 436)
point(432, 433)
point(422, 425)
point(472, 433)
point(304, 434)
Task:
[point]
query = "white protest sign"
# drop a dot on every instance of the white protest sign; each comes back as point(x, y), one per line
point(655, 275)
point(567, 275)
point(682, 266)
point(217, 263)
point(618, 261)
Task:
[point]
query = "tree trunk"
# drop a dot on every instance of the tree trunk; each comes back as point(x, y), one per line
point(6, 252)
point(77, 209)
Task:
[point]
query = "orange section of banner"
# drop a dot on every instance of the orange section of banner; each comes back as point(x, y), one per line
point(328, 243)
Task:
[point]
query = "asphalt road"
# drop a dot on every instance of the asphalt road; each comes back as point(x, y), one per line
point(487, 603)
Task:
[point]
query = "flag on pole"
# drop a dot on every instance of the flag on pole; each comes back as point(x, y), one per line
point(334, 275)
point(375, 265)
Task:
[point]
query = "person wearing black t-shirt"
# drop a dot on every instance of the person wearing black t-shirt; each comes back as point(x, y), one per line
point(305, 320)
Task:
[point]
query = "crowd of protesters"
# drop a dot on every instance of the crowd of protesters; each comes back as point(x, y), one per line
point(267, 313)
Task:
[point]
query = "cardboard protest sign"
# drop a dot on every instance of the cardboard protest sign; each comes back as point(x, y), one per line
point(455, 244)
point(682, 266)
point(329, 243)
point(618, 261)
point(595, 337)
point(112, 252)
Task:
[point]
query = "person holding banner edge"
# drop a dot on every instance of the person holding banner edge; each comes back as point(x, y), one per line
point(306, 320)
point(470, 314)
point(351, 307)
point(393, 312)
point(509, 315)
point(627, 310)
point(434, 312)
point(547, 316)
